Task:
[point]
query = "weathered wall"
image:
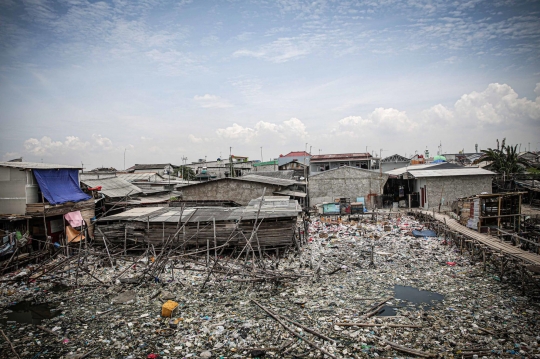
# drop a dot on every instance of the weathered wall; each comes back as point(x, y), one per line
point(345, 182)
point(264, 168)
point(12, 191)
point(453, 188)
point(227, 190)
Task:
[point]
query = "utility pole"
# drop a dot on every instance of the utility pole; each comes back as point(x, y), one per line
point(262, 160)
point(124, 159)
point(380, 167)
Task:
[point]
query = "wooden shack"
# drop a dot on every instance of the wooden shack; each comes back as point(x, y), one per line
point(205, 226)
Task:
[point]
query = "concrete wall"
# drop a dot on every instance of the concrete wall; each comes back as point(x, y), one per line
point(453, 188)
point(265, 168)
point(345, 182)
point(227, 189)
point(13, 190)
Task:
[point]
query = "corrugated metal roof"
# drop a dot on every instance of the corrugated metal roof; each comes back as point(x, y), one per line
point(341, 156)
point(268, 180)
point(402, 170)
point(296, 154)
point(292, 193)
point(465, 171)
point(144, 176)
point(269, 209)
point(35, 165)
point(113, 187)
point(373, 172)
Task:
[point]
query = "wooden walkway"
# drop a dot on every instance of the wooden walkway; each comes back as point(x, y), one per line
point(493, 243)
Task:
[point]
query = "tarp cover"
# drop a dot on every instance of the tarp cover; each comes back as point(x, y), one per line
point(424, 233)
point(60, 185)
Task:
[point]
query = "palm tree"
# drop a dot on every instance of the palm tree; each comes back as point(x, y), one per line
point(504, 159)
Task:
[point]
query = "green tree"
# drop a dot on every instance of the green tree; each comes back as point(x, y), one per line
point(185, 172)
point(504, 159)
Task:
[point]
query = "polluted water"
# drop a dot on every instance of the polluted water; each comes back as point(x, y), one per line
point(29, 313)
point(413, 298)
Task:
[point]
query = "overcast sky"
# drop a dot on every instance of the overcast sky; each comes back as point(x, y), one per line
point(84, 80)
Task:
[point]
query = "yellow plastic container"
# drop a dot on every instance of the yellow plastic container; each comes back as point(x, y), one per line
point(168, 308)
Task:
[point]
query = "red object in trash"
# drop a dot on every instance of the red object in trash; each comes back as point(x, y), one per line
point(153, 356)
point(451, 264)
point(97, 188)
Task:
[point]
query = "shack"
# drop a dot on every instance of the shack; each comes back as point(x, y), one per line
point(34, 198)
point(437, 185)
point(345, 182)
point(243, 189)
point(205, 226)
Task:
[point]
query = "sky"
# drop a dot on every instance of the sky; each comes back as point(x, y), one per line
point(85, 81)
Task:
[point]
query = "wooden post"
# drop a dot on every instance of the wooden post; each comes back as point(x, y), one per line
point(499, 213)
point(215, 239)
point(125, 240)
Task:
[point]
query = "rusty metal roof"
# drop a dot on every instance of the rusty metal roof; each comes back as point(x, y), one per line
point(341, 156)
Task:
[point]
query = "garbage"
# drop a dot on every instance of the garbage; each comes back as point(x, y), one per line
point(326, 294)
point(168, 308)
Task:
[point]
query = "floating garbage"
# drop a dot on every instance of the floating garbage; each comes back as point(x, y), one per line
point(356, 289)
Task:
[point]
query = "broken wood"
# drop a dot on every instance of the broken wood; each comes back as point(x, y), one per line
point(322, 336)
point(367, 325)
point(403, 349)
point(10, 344)
point(292, 331)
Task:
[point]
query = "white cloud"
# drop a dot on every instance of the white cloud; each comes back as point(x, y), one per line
point(212, 101)
point(292, 129)
point(381, 119)
point(46, 146)
point(497, 104)
point(196, 139)
point(284, 49)
point(498, 107)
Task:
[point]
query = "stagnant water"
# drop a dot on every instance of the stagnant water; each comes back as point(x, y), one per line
point(26, 312)
point(421, 299)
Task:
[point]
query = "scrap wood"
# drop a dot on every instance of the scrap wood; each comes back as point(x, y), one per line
point(403, 349)
point(378, 325)
point(10, 344)
point(376, 308)
point(49, 331)
point(292, 330)
point(322, 336)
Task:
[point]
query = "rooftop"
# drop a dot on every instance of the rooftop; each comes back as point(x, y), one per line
point(35, 165)
point(341, 156)
point(266, 163)
point(113, 187)
point(296, 154)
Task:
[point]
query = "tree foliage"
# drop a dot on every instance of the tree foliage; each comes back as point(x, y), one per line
point(504, 159)
point(185, 172)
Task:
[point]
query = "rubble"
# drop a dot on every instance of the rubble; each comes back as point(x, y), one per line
point(326, 297)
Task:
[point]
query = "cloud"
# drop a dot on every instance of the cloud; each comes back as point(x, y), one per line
point(284, 49)
point(195, 139)
point(498, 107)
point(46, 146)
point(211, 101)
point(381, 119)
point(292, 129)
point(497, 104)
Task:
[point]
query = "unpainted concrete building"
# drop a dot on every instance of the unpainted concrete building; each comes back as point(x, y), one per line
point(240, 190)
point(345, 182)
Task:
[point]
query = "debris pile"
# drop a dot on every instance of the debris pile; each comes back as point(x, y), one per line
point(356, 289)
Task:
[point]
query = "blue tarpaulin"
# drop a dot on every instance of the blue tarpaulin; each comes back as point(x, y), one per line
point(60, 185)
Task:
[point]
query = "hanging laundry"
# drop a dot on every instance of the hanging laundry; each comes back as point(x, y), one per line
point(74, 218)
point(73, 235)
